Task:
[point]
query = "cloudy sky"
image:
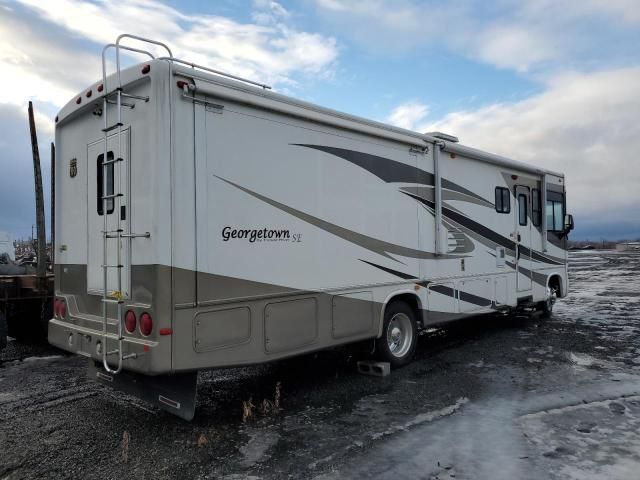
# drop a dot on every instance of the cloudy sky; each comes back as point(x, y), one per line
point(551, 82)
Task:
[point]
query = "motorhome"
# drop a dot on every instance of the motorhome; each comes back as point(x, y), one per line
point(204, 221)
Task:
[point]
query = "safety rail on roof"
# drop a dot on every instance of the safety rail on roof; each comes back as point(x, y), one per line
point(118, 46)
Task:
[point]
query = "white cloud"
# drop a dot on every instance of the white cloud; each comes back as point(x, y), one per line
point(268, 12)
point(585, 125)
point(408, 115)
point(38, 68)
point(523, 35)
point(512, 46)
point(272, 52)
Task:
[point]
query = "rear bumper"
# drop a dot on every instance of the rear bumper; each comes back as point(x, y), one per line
point(89, 341)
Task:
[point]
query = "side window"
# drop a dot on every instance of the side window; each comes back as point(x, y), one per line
point(503, 200)
point(536, 207)
point(99, 190)
point(555, 211)
point(522, 209)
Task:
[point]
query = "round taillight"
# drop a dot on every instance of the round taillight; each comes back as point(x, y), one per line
point(130, 321)
point(56, 306)
point(146, 324)
point(62, 309)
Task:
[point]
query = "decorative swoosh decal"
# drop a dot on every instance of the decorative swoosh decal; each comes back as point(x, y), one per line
point(392, 171)
point(381, 247)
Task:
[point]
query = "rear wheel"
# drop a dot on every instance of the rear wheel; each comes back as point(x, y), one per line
point(399, 338)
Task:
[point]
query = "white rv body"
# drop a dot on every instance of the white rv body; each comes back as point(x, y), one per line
point(277, 227)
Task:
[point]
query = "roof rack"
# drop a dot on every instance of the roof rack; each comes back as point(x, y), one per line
point(117, 45)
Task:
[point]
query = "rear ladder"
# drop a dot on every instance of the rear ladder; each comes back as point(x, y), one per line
point(118, 234)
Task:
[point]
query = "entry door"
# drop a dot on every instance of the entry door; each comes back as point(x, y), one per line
point(523, 238)
point(116, 212)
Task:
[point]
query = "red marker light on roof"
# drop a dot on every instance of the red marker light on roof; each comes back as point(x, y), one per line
point(182, 84)
point(100, 87)
point(146, 69)
point(89, 93)
point(78, 100)
point(56, 119)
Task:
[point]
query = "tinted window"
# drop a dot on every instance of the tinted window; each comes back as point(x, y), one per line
point(100, 172)
point(555, 211)
point(522, 209)
point(503, 200)
point(536, 207)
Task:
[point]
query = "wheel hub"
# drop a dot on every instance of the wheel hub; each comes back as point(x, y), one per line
point(399, 335)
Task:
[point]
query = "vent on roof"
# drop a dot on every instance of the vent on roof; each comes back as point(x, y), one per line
point(443, 136)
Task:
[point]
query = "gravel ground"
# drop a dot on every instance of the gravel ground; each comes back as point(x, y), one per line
point(490, 397)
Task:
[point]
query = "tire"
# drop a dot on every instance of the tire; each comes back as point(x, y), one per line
point(546, 307)
point(399, 338)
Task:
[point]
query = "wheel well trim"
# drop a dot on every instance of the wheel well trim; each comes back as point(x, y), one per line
point(390, 298)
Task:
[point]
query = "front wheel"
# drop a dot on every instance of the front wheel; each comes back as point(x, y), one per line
point(399, 338)
point(546, 307)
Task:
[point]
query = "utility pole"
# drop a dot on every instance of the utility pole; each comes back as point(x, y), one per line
point(37, 176)
point(53, 202)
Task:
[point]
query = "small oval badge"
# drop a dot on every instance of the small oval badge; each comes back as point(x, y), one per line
point(73, 167)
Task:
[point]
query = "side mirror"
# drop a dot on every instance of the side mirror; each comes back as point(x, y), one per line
point(568, 223)
point(568, 226)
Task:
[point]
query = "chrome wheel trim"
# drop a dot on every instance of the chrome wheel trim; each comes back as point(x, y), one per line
point(399, 335)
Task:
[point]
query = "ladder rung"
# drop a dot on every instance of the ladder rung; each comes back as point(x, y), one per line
point(112, 92)
point(113, 127)
point(111, 300)
point(115, 195)
point(129, 355)
point(122, 104)
point(135, 97)
point(112, 266)
point(113, 231)
point(112, 352)
point(136, 235)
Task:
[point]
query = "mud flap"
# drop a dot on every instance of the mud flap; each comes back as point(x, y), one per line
point(174, 393)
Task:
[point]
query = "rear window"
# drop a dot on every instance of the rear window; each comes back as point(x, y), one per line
point(110, 203)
